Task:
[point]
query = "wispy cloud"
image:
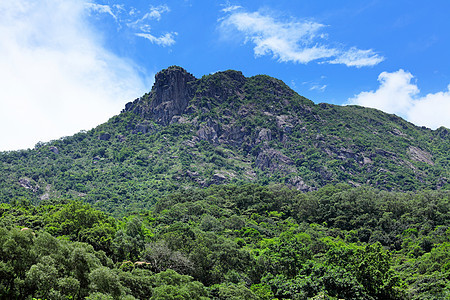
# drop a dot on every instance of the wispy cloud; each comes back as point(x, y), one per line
point(316, 85)
point(99, 8)
point(57, 78)
point(291, 41)
point(156, 12)
point(164, 40)
point(398, 95)
point(137, 21)
point(357, 58)
point(319, 88)
point(231, 8)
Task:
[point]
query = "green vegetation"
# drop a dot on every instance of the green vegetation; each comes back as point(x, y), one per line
point(233, 242)
point(234, 130)
point(229, 188)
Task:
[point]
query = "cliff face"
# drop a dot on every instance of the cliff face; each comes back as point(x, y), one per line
point(172, 92)
point(169, 96)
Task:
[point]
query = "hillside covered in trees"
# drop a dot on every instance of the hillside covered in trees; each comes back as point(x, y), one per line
point(233, 242)
point(226, 128)
point(227, 187)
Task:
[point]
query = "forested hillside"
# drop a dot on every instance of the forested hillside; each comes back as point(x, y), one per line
point(233, 242)
point(228, 187)
point(226, 128)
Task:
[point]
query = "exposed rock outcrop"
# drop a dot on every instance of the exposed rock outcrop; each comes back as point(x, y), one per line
point(273, 160)
point(169, 97)
point(171, 94)
point(104, 136)
point(420, 155)
point(29, 184)
point(54, 149)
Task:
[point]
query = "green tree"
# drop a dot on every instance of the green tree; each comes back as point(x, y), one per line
point(105, 281)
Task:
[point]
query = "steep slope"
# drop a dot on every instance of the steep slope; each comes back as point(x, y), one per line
point(221, 128)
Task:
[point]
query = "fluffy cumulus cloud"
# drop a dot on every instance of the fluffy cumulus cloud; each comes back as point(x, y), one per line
point(291, 41)
point(56, 76)
point(397, 94)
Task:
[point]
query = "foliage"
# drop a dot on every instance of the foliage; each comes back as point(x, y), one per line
point(234, 242)
point(235, 130)
point(250, 192)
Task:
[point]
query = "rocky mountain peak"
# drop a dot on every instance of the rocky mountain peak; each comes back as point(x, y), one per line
point(169, 97)
point(171, 93)
point(170, 81)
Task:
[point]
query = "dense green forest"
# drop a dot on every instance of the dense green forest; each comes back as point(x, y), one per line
point(227, 187)
point(232, 242)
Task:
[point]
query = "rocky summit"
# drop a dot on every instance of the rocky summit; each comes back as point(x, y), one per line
point(190, 132)
point(170, 97)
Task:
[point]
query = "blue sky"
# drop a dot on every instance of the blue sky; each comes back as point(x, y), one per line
point(67, 66)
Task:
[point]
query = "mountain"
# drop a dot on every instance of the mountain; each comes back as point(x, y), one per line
point(192, 132)
point(227, 187)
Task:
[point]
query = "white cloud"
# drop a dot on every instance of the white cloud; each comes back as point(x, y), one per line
point(316, 85)
point(101, 9)
point(394, 95)
point(136, 20)
point(357, 58)
point(397, 95)
point(132, 11)
point(291, 41)
point(156, 12)
point(432, 111)
point(164, 40)
point(319, 88)
point(231, 8)
point(141, 24)
point(56, 77)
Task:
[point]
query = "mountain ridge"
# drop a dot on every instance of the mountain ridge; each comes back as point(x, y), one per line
point(216, 94)
point(221, 128)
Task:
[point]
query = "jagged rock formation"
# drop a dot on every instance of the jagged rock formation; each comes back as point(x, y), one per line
point(177, 92)
point(169, 97)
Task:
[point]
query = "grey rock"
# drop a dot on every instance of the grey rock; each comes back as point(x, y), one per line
point(272, 160)
point(28, 184)
point(145, 127)
point(104, 136)
point(207, 133)
point(54, 149)
point(265, 134)
point(171, 94)
point(298, 183)
point(420, 155)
